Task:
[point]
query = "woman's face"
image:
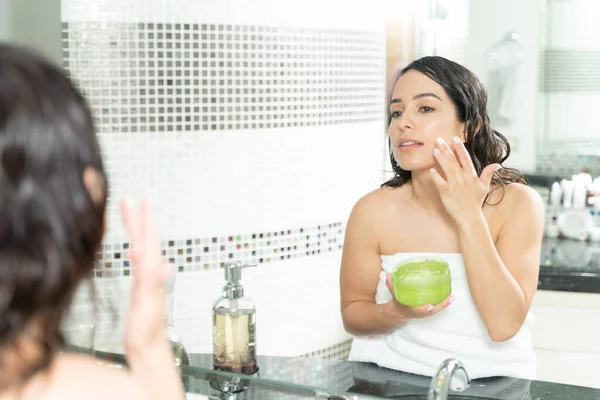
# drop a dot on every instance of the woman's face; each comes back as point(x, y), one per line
point(420, 112)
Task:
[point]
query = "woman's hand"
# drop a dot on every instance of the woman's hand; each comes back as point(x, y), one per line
point(149, 354)
point(405, 312)
point(145, 323)
point(461, 190)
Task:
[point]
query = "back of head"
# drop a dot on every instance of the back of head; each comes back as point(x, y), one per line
point(51, 224)
point(485, 145)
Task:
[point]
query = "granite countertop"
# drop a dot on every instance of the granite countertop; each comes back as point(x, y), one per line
point(302, 378)
point(570, 265)
point(542, 180)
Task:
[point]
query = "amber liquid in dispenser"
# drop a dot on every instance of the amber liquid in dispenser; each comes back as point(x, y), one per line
point(235, 345)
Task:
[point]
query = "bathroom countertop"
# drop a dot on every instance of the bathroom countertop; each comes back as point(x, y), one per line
point(566, 265)
point(542, 180)
point(302, 378)
point(569, 265)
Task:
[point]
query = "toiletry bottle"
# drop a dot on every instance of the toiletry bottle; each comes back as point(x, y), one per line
point(579, 194)
point(567, 192)
point(552, 211)
point(552, 230)
point(555, 196)
point(596, 192)
point(234, 326)
point(180, 354)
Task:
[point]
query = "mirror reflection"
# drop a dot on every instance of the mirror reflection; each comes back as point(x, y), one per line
point(411, 182)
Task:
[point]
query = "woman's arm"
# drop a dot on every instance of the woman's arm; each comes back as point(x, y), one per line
point(359, 276)
point(503, 277)
point(149, 354)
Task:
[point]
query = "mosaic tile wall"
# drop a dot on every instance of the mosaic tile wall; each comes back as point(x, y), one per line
point(254, 128)
point(340, 351)
point(566, 163)
point(188, 77)
point(177, 91)
point(211, 253)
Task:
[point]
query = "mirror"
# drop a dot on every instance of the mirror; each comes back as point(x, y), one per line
point(569, 87)
point(255, 127)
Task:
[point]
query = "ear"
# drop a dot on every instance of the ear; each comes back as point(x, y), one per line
point(478, 127)
point(94, 184)
point(465, 127)
point(463, 131)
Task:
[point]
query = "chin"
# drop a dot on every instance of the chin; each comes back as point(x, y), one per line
point(414, 165)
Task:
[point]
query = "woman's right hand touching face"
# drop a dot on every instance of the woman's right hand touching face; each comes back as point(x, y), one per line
point(406, 312)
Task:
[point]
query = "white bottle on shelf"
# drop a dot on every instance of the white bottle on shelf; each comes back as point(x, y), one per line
point(579, 194)
point(567, 192)
point(555, 195)
point(551, 227)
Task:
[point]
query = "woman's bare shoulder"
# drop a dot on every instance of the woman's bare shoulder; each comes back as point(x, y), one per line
point(516, 196)
point(520, 193)
point(84, 377)
point(379, 200)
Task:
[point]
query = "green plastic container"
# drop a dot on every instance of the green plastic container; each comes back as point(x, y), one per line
point(422, 280)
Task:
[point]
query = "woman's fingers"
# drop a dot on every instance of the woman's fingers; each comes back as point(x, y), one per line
point(390, 284)
point(447, 160)
point(463, 156)
point(428, 310)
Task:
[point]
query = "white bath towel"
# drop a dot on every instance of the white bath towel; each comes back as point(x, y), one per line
point(420, 345)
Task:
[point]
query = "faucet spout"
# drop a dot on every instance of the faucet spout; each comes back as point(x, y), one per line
point(449, 370)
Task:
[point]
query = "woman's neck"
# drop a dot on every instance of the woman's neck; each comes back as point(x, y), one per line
point(424, 192)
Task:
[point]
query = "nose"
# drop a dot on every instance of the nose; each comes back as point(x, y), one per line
point(404, 122)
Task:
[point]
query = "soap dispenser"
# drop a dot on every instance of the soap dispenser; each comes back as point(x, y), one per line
point(234, 326)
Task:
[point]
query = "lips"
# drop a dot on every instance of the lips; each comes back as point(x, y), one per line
point(409, 142)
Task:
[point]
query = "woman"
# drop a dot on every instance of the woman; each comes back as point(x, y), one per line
point(53, 193)
point(449, 197)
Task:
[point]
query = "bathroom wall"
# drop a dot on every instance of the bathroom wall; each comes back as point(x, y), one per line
point(416, 29)
point(571, 88)
point(465, 31)
point(4, 20)
point(254, 126)
point(34, 23)
point(489, 23)
point(551, 124)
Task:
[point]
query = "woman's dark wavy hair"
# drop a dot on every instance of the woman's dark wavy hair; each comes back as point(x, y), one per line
point(485, 145)
point(50, 227)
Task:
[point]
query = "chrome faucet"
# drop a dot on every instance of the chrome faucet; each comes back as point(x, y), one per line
point(449, 370)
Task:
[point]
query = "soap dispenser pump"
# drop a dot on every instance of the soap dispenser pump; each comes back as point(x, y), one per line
point(234, 326)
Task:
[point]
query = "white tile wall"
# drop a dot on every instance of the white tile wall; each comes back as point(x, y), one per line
point(297, 304)
point(573, 25)
point(572, 117)
point(236, 118)
point(489, 22)
point(571, 88)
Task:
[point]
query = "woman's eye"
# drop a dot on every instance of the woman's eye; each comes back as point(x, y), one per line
point(426, 109)
point(396, 114)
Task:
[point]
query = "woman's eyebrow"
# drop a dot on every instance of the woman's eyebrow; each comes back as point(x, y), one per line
point(417, 96)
